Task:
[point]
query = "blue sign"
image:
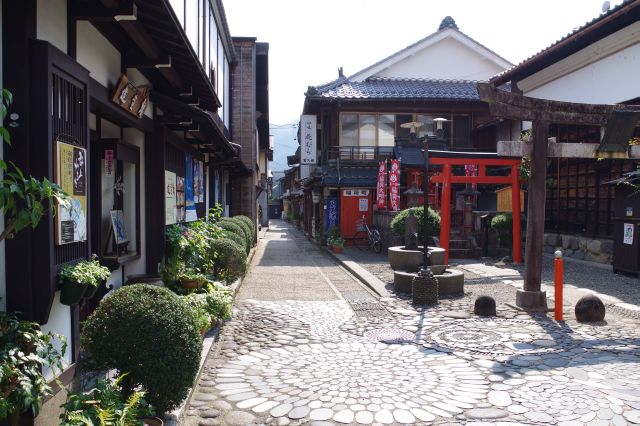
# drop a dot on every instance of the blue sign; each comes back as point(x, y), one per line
point(332, 216)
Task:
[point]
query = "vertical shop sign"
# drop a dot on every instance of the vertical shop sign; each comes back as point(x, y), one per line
point(308, 139)
point(381, 199)
point(190, 206)
point(196, 181)
point(332, 216)
point(201, 181)
point(108, 162)
point(71, 175)
point(394, 185)
point(170, 212)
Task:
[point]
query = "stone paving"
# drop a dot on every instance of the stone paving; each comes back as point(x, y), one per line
point(357, 359)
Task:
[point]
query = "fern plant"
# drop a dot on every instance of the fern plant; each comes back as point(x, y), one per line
point(105, 405)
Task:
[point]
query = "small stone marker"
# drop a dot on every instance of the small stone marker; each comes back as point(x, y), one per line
point(485, 306)
point(590, 309)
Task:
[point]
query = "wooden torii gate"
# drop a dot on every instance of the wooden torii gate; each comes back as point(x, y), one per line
point(619, 122)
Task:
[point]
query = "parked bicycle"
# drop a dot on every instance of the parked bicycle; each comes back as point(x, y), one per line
point(367, 237)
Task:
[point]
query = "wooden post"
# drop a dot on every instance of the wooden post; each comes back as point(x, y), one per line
point(515, 214)
point(531, 298)
point(445, 212)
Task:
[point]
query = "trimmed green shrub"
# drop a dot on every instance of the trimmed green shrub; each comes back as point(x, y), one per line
point(398, 222)
point(503, 224)
point(231, 260)
point(240, 240)
point(251, 223)
point(246, 228)
point(150, 333)
point(231, 226)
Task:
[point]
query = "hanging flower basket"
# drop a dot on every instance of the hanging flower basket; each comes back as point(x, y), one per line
point(71, 293)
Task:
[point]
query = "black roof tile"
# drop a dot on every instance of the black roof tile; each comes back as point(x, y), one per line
point(397, 88)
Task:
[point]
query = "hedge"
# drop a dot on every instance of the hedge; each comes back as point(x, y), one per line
point(398, 222)
point(231, 260)
point(149, 333)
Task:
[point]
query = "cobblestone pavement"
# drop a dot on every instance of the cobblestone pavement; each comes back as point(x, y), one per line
point(355, 359)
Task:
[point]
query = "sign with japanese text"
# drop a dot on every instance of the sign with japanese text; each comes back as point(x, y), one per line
point(307, 139)
point(355, 192)
point(71, 175)
point(332, 216)
point(381, 199)
point(394, 185)
point(108, 162)
point(170, 212)
point(363, 204)
point(132, 99)
point(628, 234)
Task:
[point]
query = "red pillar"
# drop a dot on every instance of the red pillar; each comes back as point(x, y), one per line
point(445, 212)
point(515, 214)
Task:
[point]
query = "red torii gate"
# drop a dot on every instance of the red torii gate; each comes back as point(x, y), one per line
point(482, 161)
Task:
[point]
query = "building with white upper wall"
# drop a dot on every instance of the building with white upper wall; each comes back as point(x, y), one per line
point(597, 63)
point(141, 92)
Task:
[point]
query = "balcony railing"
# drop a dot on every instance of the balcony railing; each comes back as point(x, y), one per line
point(360, 153)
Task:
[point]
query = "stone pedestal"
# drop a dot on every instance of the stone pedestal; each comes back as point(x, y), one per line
point(534, 301)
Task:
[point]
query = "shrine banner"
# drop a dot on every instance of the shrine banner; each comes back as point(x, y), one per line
point(394, 185)
point(332, 216)
point(381, 200)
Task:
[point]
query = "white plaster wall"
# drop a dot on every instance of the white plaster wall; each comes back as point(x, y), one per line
point(51, 18)
point(447, 59)
point(60, 323)
point(96, 54)
point(613, 79)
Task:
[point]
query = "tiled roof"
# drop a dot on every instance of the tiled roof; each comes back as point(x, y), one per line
point(566, 42)
point(365, 176)
point(397, 88)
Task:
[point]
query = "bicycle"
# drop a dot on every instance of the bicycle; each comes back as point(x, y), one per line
point(367, 237)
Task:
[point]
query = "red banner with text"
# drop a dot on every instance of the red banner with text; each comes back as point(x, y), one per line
point(394, 185)
point(381, 199)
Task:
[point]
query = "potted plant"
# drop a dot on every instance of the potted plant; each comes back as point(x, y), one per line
point(24, 351)
point(107, 404)
point(335, 240)
point(81, 280)
point(190, 278)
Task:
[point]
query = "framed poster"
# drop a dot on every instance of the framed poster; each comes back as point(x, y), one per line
point(169, 198)
point(628, 234)
point(119, 229)
point(71, 175)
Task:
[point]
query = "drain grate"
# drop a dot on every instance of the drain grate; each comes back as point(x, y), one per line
point(367, 308)
point(389, 335)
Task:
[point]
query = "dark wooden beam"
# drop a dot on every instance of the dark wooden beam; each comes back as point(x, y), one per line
point(96, 12)
point(532, 297)
point(143, 62)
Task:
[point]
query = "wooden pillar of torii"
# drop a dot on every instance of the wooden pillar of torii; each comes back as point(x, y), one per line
point(619, 121)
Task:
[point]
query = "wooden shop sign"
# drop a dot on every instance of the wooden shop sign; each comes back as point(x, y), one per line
point(132, 99)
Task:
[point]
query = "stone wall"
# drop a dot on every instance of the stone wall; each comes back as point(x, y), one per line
point(581, 248)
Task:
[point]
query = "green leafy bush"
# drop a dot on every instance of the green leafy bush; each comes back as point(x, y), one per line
point(433, 222)
point(232, 226)
point(105, 404)
point(252, 226)
point(240, 240)
point(231, 260)
point(150, 333)
point(24, 351)
point(503, 225)
point(88, 272)
point(246, 228)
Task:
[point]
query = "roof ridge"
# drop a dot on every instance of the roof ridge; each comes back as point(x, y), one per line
point(425, 79)
point(565, 37)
